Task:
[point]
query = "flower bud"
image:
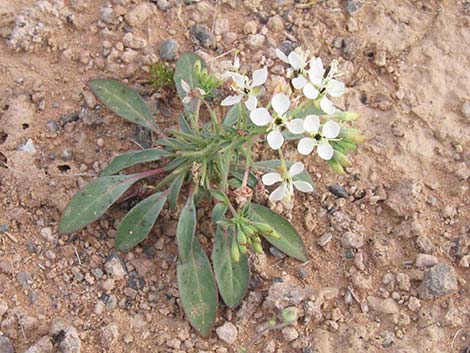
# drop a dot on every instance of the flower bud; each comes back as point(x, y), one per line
point(257, 248)
point(263, 228)
point(345, 116)
point(337, 168)
point(249, 229)
point(235, 252)
point(256, 239)
point(243, 249)
point(351, 135)
point(241, 237)
point(342, 159)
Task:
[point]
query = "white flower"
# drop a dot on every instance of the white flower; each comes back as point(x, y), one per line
point(330, 130)
point(285, 191)
point(189, 92)
point(297, 59)
point(261, 117)
point(245, 87)
point(323, 83)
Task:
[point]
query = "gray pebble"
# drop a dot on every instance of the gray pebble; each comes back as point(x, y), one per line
point(227, 332)
point(338, 191)
point(202, 35)
point(352, 6)
point(440, 280)
point(466, 109)
point(4, 228)
point(325, 239)
point(169, 49)
point(277, 253)
point(52, 126)
point(255, 41)
point(25, 279)
point(163, 5)
point(425, 260)
point(5, 345)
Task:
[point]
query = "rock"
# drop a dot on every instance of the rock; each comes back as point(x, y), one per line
point(114, 267)
point(5, 345)
point(128, 56)
point(255, 41)
point(380, 58)
point(133, 42)
point(440, 280)
point(403, 281)
point(425, 260)
point(290, 334)
point(109, 335)
point(361, 281)
point(6, 267)
point(44, 345)
point(324, 239)
point(276, 24)
point(67, 337)
point(221, 26)
point(283, 294)
point(465, 261)
point(174, 343)
point(384, 306)
point(163, 5)
point(169, 49)
point(3, 309)
point(202, 35)
point(229, 37)
point(251, 27)
point(89, 99)
point(350, 48)
point(25, 279)
point(338, 191)
point(139, 14)
point(107, 15)
point(227, 332)
point(352, 6)
point(351, 240)
point(414, 304)
point(249, 306)
point(466, 109)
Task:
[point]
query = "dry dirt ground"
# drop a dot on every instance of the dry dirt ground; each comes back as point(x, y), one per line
point(406, 67)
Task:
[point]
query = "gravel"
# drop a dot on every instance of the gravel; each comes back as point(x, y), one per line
point(5, 345)
point(109, 334)
point(384, 306)
point(169, 49)
point(350, 240)
point(440, 280)
point(202, 35)
point(44, 345)
point(139, 14)
point(338, 191)
point(425, 260)
point(290, 334)
point(227, 332)
point(114, 267)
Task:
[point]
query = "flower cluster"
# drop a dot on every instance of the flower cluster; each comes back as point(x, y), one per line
point(301, 111)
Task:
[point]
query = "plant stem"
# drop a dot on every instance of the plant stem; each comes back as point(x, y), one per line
point(149, 173)
point(284, 171)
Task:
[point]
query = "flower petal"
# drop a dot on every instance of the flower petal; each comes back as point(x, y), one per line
point(335, 88)
point(280, 54)
point(281, 103)
point(271, 178)
point(303, 186)
point(316, 71)
point(259, 77)
point(260, 117)
point(275, 139)
point(240, 80)
point(295, 60)
point(312, 124)
point(251, 102)
point(296, 169)
point(278, 193)
point(236, 63)
point(310, 91)
point(306, 145)
point(331, 129)
point(299, 82)
point(324, 150)
point(231, 100)
point(296, 126)
point(185, 86)
point(327, 106)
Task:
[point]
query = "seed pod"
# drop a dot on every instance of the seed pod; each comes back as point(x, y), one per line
point(243, 249)
point(257, 248)
point(263, 228)
point(235, 252)
point(241, 237)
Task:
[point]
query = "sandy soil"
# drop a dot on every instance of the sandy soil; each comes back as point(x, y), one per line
point(406, 66)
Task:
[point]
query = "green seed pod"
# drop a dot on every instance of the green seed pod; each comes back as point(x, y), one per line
point(337, 168)
point(342, 159)
point(235, 252)
point(257, 248)
point(263, 228)
point(241, 237)
point(243, 249)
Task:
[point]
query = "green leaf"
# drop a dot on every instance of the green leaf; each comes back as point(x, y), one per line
point(185, 71)
point(272, 166)
point(139, 221)
point(93, 200)
point(197, 289)
point(123, 101)
point(218, 195)
point(218, 212)
point(132, 158)
point(232, 278)
point(183, 124)
point(186, 228)
point(289, 242)
point(233, 115)
point(175, 189)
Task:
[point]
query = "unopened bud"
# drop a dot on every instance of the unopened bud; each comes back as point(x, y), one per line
point(345, 116)
point(263, 228)
point(243, 249)
point(342, 159)
point(351, 135)
point(337, 168)
point(249, 229)
point(235, 252)
point(241, 237)
point(257, 248)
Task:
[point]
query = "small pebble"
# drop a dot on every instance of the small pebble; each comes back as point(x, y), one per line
point(169, 49)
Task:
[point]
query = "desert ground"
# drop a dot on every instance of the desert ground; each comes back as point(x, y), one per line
point(388, 243)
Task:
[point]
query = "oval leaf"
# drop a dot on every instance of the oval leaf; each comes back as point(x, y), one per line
point(93, 200)
point(290, 242)
point(139, 221)
point(233, 115)
point(197, 289)
point(132, 158)
point(185, 71)
point(175, 189)
point(232, 278)
point(123, 101)
point(218, 212)
point(186, 229)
